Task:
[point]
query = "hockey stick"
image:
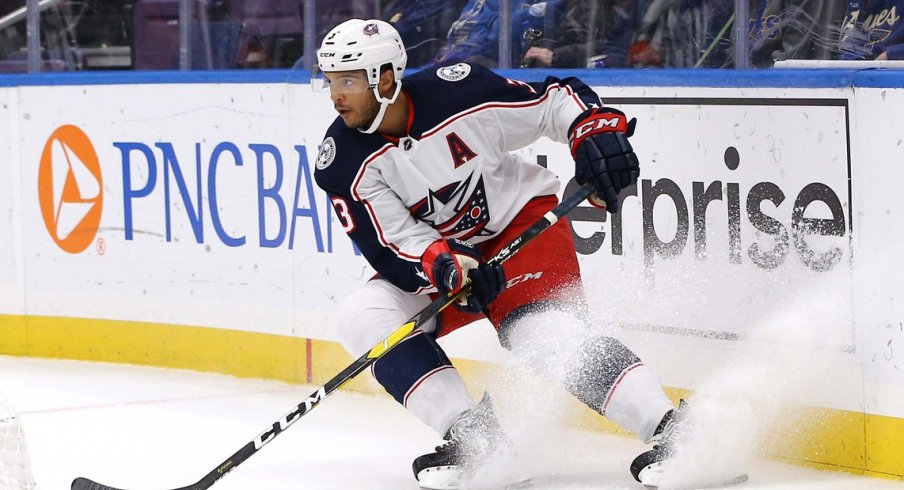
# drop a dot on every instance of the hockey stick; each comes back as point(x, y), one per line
point(363, 362)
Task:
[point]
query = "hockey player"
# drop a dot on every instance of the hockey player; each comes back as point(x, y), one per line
point(421, 178)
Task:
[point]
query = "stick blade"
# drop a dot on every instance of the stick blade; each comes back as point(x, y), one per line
point(86, 484)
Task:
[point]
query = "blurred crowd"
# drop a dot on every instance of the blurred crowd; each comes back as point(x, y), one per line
point(145, 34)
point(674, 33)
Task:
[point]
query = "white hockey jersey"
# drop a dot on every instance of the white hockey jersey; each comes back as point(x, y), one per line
point(453, 175)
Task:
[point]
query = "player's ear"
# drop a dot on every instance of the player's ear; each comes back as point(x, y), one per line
point(387, 80)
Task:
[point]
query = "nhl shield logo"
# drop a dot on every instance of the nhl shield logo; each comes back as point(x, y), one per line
point(454, 73)
point(407, 143)
point(371, 29)
point(327, 153)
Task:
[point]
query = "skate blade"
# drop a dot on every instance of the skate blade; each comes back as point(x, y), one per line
point(515, 485)
point(451, 478)
point(440, 478)
point(652, 477)
point(527, 483)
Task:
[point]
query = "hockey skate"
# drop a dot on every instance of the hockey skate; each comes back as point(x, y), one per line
point(474, 441)
point(653, 468)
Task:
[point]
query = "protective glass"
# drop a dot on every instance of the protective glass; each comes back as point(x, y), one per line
point(340, 82)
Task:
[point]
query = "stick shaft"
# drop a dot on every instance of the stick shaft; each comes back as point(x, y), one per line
point(363, 362)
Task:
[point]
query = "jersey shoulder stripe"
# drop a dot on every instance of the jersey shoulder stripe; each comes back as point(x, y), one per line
point(511, 104)
point(480, 87)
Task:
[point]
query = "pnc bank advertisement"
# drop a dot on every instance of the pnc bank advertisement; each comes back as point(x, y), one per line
point(197, 205)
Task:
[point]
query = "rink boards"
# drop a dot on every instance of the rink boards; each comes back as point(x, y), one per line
point(171, 219)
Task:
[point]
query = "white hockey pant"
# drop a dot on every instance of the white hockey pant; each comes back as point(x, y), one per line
point(416, 372)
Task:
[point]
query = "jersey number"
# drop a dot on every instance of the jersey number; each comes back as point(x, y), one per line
point(345, 217)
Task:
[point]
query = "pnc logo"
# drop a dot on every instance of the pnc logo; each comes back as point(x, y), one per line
point(70, 189)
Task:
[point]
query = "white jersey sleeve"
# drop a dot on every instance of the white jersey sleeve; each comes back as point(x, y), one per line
point(453, 176)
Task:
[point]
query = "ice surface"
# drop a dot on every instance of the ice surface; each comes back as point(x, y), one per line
point(148, 428)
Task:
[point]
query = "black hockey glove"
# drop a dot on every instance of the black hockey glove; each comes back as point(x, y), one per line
point(602, 154)
point(451, 264)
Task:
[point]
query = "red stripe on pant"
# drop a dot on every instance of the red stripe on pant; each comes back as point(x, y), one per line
point(546, 269)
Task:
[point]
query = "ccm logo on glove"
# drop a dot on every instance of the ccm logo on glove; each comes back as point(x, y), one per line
point(599, 123)
point(602, 154)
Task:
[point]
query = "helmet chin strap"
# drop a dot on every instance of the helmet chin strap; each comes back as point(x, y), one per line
point(384, 103)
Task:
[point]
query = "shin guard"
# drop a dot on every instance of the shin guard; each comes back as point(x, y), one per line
point(419, 375)
point(610, 378)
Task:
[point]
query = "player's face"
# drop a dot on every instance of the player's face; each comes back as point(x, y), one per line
point(352, 97)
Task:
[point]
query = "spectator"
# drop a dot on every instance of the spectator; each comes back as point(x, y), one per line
point(12, 37)
point(423, 25)
point(591, 34)
point(475, 35)
point(782, 29)
point(534, 25)
point(683, 34)
point(872, 29)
